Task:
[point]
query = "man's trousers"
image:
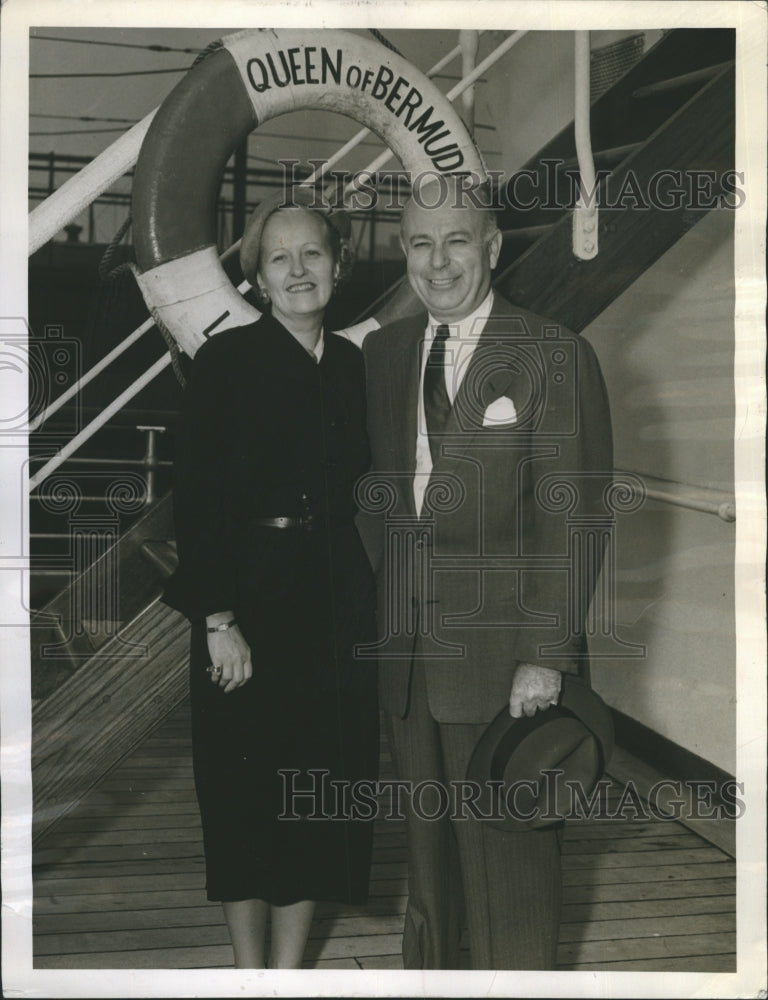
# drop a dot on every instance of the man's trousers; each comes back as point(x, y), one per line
point(506, 885)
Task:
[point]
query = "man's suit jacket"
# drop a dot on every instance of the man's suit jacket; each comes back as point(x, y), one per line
point(493, 572)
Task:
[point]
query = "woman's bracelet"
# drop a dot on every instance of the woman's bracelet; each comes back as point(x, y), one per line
point(221, 628)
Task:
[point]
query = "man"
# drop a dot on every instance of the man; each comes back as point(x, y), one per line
point(479, 413)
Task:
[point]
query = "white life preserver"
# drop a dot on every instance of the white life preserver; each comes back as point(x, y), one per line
point(258, 75)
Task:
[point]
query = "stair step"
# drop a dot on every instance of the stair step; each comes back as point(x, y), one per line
point(161, 554)
point(677, 82)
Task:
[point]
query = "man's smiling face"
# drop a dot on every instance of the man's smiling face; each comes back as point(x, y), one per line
point(450, 254)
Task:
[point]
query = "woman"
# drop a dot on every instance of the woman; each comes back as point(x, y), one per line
point(274, 578)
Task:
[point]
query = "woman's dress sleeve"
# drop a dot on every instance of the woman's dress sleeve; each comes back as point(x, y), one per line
point(205, 581)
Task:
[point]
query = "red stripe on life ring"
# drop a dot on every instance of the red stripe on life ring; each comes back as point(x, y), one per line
point(182, 159)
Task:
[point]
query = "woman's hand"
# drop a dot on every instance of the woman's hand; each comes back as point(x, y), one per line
point(230, 653)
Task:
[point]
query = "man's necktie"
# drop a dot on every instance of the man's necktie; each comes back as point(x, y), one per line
point(437, 405)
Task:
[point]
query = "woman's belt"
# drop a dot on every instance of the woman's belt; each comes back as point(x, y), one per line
point(305, 522)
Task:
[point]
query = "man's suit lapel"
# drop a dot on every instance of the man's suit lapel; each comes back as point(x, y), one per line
point(490, 375)
point(403, 381)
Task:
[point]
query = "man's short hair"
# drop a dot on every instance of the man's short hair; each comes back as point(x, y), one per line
point(480, 200)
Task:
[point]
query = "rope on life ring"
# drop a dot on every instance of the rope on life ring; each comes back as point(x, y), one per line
point(257, 75)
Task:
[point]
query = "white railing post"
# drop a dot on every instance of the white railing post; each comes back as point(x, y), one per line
point(585, 212)
point(91, 374)
point(469, 42)
point(79, 191)
point(90, 429)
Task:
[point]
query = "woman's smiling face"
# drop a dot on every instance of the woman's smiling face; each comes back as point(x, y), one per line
point(296, 264)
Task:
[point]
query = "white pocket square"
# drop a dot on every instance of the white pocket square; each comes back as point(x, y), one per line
point(500, 411)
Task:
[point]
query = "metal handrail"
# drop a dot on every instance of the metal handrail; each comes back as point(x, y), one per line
point(150, 462)
point(91, 374)
point(87, 460)
point(701, 498)
point(98, 422)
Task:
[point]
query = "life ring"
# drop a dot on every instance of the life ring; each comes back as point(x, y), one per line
point(257, 75)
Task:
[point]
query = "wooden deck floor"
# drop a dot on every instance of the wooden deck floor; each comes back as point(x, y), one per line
point(119, 884)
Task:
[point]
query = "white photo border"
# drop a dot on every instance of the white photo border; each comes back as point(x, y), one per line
point(749, 20)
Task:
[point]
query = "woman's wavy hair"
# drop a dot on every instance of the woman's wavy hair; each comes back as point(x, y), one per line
point(341, 249)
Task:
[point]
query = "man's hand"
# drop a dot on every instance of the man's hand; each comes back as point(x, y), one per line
point(533, 688)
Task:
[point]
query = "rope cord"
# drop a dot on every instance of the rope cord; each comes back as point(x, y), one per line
point(209, 48)
point(106, 271)
point(385, 42)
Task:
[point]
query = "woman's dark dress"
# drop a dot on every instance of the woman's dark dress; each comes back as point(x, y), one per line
point(266, 431)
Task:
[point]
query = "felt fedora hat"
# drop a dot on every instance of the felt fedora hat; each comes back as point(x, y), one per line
point(529, 770)
point(296, 197)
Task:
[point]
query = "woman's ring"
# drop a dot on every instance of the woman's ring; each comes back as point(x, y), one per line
point(214, 671)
